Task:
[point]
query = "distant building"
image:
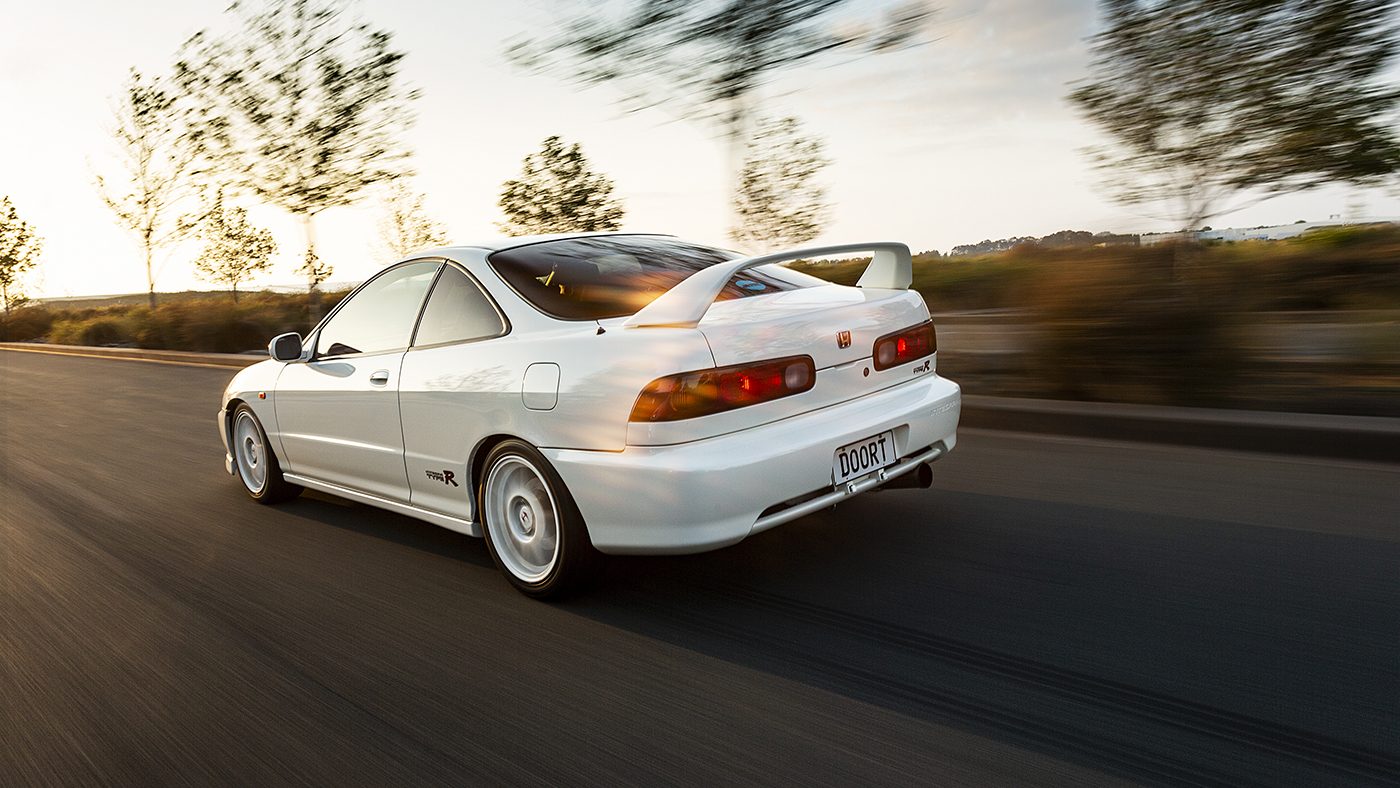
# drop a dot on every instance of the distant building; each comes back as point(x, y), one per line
point(1277, 232)
point(1115, 239)
point(1079, 239)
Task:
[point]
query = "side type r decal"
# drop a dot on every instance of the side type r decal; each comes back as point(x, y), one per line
point(446, 477)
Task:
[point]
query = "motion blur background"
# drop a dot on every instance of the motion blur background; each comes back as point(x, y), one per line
point(1187, 203)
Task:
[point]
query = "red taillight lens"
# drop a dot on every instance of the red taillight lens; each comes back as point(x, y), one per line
point(706, 391)
point(891, 350)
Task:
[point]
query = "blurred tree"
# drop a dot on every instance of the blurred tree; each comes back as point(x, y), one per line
point(151, 122)
point(778, 201)
point(234, 250)
point(1066, 238)
point(1215, 104)
point(557, 193)
point(708, 60)
point(404, 224)
point(302, 106)
point(19, 252)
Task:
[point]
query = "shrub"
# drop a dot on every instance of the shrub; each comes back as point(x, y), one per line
point(951, 284)
point(208, 323)
point(25, 324)
point(1341, 237)
point(1133, 329)
point(222, 328)
point(97, 330)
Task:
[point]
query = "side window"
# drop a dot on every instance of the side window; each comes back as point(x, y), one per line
point(380, 316)
point(458, 311)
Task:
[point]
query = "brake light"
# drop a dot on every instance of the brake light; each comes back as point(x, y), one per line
point(707, 391)
point(905, 345)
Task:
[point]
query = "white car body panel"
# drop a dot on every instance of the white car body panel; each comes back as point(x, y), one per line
point(711, 493)
point(454, 397)
point(408, 444)
point(802, 322)
point(252, 385)
point(339, 425)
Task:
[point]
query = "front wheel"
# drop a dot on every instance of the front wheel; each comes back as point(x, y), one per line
point(533, 529)
point(253, 459)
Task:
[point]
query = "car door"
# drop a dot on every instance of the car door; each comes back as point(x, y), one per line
point(460, 383)
point(338, 412)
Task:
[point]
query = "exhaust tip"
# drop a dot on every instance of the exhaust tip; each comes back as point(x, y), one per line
point(919, 478)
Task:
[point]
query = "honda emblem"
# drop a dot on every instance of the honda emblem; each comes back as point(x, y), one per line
point(843, 339)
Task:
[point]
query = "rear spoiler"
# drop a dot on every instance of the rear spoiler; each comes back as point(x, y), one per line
point(683, 306)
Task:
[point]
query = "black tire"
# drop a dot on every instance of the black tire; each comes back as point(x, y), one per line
point(574, 565)
point(274, 488)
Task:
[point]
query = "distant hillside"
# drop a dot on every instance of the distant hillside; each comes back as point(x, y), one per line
point(1064, 239)
point(138, 299)
point(127, 299)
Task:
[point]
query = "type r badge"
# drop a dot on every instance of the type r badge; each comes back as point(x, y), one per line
point(843, 339)
point(446, 477)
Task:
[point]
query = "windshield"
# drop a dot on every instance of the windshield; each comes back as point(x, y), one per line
point(614, 276)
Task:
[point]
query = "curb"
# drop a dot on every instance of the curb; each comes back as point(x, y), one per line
point(231, 360)
point(1370, 438)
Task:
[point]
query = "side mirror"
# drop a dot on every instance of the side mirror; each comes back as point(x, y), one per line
point(285, 347)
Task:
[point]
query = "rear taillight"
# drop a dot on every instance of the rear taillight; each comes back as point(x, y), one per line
point(707, 391)
point(905, 345)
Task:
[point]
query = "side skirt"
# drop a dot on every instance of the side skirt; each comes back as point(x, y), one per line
point(436, 518)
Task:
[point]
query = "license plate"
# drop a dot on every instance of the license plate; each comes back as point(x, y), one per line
point(864, 456)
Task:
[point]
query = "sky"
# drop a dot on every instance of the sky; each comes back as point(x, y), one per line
point(965, 137)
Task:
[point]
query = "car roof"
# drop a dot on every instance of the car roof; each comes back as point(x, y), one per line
point(497, 244)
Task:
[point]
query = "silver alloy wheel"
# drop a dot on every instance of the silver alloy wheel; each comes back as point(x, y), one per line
point(250, 452)
point(522, 518)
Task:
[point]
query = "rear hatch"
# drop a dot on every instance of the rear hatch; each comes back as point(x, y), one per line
point(809, 321)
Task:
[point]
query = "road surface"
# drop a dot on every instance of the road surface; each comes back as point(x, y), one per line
point(1054, 611)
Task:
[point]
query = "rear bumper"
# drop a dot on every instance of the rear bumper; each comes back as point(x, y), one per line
point(710, 493)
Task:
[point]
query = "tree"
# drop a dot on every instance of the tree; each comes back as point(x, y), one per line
point(158, 160)
point(404, 224)
point(234, 250)
point(19, 252)
point(301, 106)
point(779, 201)
point(557, 193)
point(709, 60)
point(1212, 102)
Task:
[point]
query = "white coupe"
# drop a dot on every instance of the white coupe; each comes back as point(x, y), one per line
point(569, 395)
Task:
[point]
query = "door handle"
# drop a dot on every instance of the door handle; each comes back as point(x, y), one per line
point(379, 376)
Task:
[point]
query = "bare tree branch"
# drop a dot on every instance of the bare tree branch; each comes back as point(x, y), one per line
point(234, 250)
point(404, 223)
point(151, 128)
point(20, 247)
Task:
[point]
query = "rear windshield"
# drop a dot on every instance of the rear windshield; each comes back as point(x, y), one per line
point(614, 276)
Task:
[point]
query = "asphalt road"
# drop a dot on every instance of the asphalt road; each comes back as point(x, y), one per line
point(1053, 611)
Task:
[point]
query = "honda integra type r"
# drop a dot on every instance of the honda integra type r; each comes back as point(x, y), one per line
point(569, 395)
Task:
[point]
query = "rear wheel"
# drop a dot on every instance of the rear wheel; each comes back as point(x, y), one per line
point(533, 529)
point(253, 459)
